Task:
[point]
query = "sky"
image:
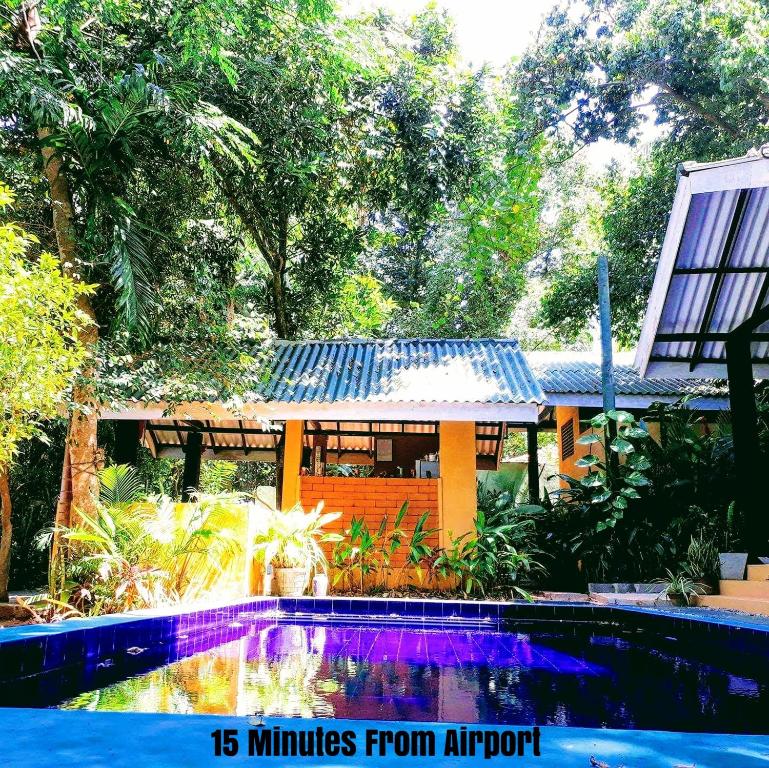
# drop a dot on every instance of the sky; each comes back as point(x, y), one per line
point(493, 32)
point(488, 31)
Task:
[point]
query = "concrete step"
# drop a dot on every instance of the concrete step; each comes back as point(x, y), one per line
point(758, 573)
point(745, 604)
point(754, 589)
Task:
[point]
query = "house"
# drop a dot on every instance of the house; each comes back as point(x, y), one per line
point(414, 419)
point(571, 382)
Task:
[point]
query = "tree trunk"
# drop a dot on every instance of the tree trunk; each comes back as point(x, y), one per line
point(279, 302)
point(6, 529)
point(80, 480)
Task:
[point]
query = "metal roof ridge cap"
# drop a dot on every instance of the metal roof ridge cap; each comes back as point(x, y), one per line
point(405, 339)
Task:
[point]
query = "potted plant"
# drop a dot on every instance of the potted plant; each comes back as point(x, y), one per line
point(680, 588)
point(732, 564)
point(290, 542)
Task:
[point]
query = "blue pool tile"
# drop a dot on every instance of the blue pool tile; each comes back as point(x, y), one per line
point(34, 655)
point(288, 604)
point(74, 647)
point(106, 641)
point(394, 607)
point(12, 659)
point(340, 606)
point(470, 610)
point(54, 652)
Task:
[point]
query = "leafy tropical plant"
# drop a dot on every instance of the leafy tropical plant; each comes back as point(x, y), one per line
point(593, 507)
point(142, 552)
point(356, 551)
point(680, 587)
point(40, 354)
point(292, 539)
point(499, 555)
point(120, 484)
point(218, 476)
point(702, 559)
point(419, 551)
point(366, 556)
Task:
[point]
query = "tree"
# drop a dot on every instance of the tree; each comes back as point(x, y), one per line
point(297, 202)
point(41, 327)
point(701, 65)
point(456, 204)
point(597, 71)
point(104, 101)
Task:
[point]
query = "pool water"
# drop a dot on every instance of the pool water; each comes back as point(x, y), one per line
point(568, 677)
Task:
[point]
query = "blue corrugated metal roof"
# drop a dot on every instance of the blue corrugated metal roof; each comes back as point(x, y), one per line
point(568, 373)
point(401, 370)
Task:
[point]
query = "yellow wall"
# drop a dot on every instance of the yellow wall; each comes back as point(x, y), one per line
point(458, 498)
point(566, 466)
point(292, 463)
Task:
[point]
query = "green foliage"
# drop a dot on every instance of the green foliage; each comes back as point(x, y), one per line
point(35, 481)
point(457, 190)
point(115, 106)
point(40, 320)
point(624, 215)
point(498, 557)
point(594, 507)
point(603, 70)
point(682, 503)
point(419, 550)
point(292, 539)
point(680, 587)
point(362, 308)
point(705, 60)
point(139, 552)
point(362, 558)
point(218, 477)
point(702, 562)
point(120, 484)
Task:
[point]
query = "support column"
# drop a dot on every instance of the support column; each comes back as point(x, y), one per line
point(459, 494)
point(192, 456)
point(531, 449)
point(127, 435)
point(747, 464)
point(293, 445)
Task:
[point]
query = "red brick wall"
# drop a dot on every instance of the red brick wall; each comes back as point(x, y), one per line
point(371, 498)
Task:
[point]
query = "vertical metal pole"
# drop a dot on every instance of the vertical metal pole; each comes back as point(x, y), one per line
point(748, 470)
point(604, 313)
point(607, 363)
point(531, 449)
point(192, 456)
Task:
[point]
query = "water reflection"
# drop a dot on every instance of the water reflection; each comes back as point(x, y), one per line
point(452, 676)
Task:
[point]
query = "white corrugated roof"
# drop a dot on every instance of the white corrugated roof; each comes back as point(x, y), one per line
point(713, 272)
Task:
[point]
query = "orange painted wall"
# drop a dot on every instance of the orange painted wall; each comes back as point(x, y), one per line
point(371, 498)
point(564, 414)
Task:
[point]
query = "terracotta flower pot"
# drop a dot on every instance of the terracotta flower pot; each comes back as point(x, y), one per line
point(677, 600)
point(290, 582)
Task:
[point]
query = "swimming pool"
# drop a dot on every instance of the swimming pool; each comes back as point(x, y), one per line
point(551, 673)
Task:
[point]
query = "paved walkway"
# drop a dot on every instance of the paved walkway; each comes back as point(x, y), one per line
point(59, 739)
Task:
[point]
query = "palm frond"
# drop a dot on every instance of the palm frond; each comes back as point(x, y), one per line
point(221, 135)
point(120, 484)
point(131, 270)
